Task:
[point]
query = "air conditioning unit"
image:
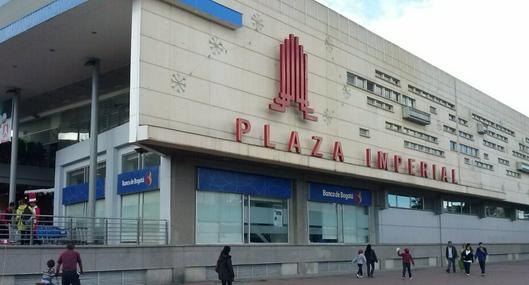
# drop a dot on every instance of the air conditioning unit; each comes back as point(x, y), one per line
point(522, 167)
point(482, 129)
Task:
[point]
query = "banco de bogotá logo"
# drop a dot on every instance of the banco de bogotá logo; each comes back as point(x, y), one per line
point(293, 79)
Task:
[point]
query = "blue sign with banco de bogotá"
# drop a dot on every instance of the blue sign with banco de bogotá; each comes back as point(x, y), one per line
point(338, 194)
point(142, 180)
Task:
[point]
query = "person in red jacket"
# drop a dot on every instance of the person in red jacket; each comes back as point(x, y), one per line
point(407, 261)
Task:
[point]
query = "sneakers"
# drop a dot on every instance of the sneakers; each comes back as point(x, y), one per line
point(468, 274)
point(411, 278)
point(357, 276)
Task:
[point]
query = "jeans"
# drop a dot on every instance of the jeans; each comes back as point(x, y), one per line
point(370, 268)
point(406, 266)
point(70, 278)
point(482, 266)
point(360, 271)
point(467, 267)
point(224, 282)
point(451, 263)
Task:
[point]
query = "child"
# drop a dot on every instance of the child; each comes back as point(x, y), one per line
point(360, 260)
point(407, 260)
point(49, 274)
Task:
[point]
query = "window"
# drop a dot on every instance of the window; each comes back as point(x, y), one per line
point(463, 122)
point(337, 223)
point(494, 146)
point(520, 155)
point(387, 78)
point(496, 212)
point(527, 139)
point(449, 129)
point(466, 135)
point(524, 148)
point(364, 132)
point(379, 90)
point(483, 165)
point(452, 117)
point(233, 207)
point(433, 110)
point(497, 136)
point(219, 217)
point(379, 104)
point(488, 122)
point(423, 148)
point(143, 205)
point(503, 161)
point(80, 176)
point(486, 156)
point(459, 207)
point(406, 202)
point(513, 174)
point(411, 132)
point(464, 149)
point(467, 160)
point(431, 97)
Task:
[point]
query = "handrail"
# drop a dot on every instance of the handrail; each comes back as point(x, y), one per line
point(47, 229)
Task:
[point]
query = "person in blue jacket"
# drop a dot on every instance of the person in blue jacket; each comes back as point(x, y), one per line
point(481, 256)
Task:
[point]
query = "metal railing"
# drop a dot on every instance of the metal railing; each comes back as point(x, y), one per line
point(50, 230)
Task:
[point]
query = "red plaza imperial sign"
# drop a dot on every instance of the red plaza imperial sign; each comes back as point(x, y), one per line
point(294, 90)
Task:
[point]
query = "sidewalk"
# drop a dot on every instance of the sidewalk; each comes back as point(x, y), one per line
point(497, 274)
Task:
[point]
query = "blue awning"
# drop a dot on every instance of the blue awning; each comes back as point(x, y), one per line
point(243, 183)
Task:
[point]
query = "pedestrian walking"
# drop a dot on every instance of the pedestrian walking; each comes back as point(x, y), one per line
point(360, 260)
point(224, 267)
point(69, 259)
point(451, 257)
point(467, 256)
point(407, 261)
point(371, 258)
point(481, 255)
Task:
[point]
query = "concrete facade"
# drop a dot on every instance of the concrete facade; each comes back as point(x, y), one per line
point(234, 73)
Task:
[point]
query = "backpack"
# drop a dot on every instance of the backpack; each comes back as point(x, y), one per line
point(27, 216)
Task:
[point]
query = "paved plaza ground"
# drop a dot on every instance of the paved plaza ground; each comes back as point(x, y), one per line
point(497, 274)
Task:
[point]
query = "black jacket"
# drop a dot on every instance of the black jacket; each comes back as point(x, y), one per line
point(467, 257)
point(371, 256)
point(225, 268)
point(454, 252)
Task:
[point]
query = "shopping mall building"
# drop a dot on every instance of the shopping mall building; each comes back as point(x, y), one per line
point(281, 128)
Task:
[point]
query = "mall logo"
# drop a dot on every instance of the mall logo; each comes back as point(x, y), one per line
point(293, 79)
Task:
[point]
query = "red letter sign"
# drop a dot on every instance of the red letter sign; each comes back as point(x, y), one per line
point(293, 79)
point(424, 169)
point(242, 126)
point(410, 166)
point(397, 160)
point(337, 152)
point(293, 142)
point(368, 157)
point(382, 160)
point(267, 142)
point(316, 148)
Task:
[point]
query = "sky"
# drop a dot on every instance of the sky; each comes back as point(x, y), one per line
point(484, 43)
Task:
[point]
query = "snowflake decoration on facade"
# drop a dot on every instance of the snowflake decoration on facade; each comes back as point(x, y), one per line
point(257, 22)
point(328, 44)
point(178, 83)
point(216, 46)
point(327, 116)
point(347, 92)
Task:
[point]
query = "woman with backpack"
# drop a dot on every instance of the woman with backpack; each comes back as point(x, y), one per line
point(224, 267)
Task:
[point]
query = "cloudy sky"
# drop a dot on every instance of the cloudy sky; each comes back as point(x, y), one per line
point(482, 42)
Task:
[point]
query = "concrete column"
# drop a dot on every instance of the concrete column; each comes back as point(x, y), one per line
point(92, 176)
point(14, 145)
point(300, 211)
point(165, 192)
point(183, 202)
